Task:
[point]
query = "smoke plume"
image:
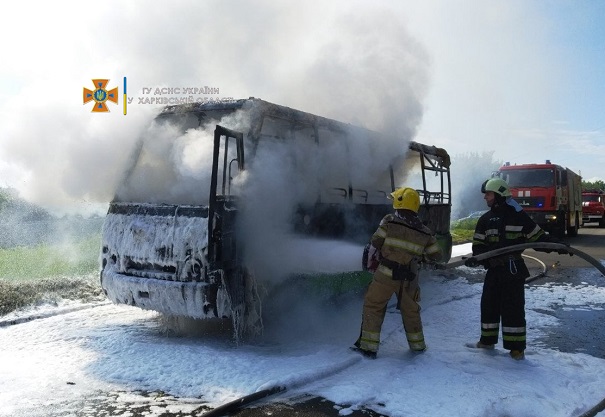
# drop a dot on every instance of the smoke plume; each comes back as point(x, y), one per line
point(358, 65)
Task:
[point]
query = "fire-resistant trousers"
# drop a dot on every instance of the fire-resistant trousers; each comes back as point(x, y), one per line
point(379, 292)
point(503, 300)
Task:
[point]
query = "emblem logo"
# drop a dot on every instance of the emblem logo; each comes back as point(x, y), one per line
point(100, 96)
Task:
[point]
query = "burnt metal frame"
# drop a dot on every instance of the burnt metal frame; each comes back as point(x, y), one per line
point(219, 132)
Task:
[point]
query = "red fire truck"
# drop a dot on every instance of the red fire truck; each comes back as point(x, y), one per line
point(593, 207)
point(549, 193)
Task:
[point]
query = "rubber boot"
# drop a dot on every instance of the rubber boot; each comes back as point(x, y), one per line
point(517, 355)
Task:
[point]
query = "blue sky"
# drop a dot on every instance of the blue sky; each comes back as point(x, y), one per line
point(520, 79)
point(526, 82)
point(582, 42)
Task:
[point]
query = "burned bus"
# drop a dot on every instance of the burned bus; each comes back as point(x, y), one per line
point(216, 191)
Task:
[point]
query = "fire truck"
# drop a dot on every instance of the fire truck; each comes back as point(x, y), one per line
point(550, 194)
point(593, 207)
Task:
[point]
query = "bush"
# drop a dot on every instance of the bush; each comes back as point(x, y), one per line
point(465, 224)
point(462, 231)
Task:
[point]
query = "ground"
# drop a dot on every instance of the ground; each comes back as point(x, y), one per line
point(110, 360)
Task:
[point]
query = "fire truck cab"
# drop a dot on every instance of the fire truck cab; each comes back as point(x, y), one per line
point(593, 207)
point(549, 193)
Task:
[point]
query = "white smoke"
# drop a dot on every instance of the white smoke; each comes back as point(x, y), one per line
point(355, 64)
point(469, 171)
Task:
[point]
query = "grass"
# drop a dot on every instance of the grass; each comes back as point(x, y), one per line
point(49, 273)
point(82, 257)
point(462, 231)
point(43, 273)
point(44, 260)
point(460, 236)
point(333, 285)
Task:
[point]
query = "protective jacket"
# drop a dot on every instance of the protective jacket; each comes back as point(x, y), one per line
point(403, 242)
point(503, 297)
point(403, 239)
point(504, 226)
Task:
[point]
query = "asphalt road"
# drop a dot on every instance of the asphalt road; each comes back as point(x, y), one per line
point(590, 239)
point(563, 269)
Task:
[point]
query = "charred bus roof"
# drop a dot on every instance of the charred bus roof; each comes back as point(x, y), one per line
point(258, 108)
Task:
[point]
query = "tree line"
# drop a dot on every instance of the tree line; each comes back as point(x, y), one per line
point(594, 185)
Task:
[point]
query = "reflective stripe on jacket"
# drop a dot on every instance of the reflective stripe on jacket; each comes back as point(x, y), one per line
point(404, 238)
point(504, 226)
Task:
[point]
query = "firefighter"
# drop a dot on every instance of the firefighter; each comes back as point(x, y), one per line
point(503, 297)
point(401, 243)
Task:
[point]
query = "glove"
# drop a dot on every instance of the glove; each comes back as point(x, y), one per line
point(543, 250)
point(370, 258)
point(471, 262)
point(564, 251)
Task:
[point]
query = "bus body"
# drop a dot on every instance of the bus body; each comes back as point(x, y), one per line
point(178, 237)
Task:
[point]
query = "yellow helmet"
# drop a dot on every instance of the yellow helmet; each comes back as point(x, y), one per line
point(496, 185)
point(406, 198)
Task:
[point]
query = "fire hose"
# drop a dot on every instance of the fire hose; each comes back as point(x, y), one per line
point(274, 388)
point(515, 248)
point(541, 274)
point(235, 405)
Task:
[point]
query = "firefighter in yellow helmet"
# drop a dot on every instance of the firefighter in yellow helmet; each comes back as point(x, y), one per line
point(401, 243)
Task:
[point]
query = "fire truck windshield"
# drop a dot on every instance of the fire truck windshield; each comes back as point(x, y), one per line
point(591, 197)
point(528, 177)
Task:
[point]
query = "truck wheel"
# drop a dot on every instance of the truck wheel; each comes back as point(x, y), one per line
point(559, 228)
point(602, 222)
point(573, 230)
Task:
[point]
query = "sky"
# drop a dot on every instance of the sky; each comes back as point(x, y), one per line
point(90, 360)
point(519, 79)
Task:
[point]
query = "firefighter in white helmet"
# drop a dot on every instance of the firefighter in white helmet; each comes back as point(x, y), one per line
point(503, 298)
point(402, 242)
